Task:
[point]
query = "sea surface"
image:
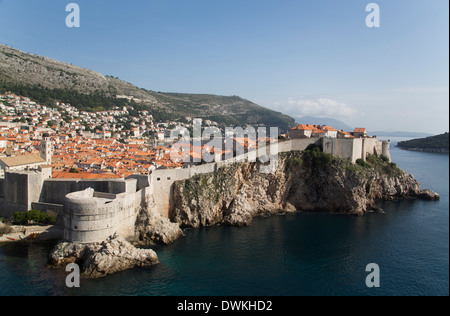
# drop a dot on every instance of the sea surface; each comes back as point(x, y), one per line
point(301, 254)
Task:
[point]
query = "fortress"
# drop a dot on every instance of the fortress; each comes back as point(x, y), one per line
point(92, 210)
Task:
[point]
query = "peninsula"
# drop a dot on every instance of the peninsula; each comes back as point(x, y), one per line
point(435, 144)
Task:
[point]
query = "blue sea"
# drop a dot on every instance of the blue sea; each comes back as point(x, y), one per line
point(294, 255)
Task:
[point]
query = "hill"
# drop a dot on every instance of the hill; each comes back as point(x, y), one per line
point(439, 143)
point(400, 134)
point(339, 125)
point(47, 80)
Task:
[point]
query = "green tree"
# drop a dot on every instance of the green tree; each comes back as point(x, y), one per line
point(35, 216)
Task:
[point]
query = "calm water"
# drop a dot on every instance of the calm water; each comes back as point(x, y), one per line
point(303, 254)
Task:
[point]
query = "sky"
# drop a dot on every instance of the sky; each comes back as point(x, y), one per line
point(299, 57)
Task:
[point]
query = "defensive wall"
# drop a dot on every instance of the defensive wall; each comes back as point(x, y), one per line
point(355, 148)
point(92, 210)
point(20, 190)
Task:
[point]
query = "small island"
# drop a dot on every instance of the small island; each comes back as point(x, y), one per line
point(435, 144)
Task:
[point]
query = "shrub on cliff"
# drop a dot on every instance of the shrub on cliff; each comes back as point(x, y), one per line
point(383, 166)
point(317, 158)
point(362, 163)
point(293, 161)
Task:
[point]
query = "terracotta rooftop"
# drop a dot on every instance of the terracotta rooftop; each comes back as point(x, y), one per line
point(306, 127)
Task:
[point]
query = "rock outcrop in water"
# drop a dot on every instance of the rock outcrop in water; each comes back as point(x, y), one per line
point(310, 181)
point(101, 259)
point(115, 254)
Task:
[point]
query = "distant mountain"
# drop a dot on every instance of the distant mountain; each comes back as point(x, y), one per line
point(400, 134)
point(47, 80)
point(339, 125)
point(439, 143)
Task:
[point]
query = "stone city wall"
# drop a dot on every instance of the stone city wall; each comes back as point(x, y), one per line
point(20, 190)
point(163, 179)
point(102, 208)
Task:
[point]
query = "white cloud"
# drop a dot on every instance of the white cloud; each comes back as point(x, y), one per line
point(322, 107)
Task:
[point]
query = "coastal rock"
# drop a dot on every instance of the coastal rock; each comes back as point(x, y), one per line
point(97, 260)
point(234, 195)
point(65, 253)
point(152, 228)
point(114, 255)
point(429, 195)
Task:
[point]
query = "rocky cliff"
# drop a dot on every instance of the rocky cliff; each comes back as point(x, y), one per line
point(310, 181)
point(153, 228)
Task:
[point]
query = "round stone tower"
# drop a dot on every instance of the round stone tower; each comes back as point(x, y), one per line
point(386, 149)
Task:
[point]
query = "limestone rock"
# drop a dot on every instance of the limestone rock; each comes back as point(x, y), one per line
point(152, 228)
point(65, 253)
point(429, 195)
point(114, 255)
point(236, 194)
point(97, 260)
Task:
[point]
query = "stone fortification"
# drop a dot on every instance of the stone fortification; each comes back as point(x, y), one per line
point(352, 149)
point(91, 216)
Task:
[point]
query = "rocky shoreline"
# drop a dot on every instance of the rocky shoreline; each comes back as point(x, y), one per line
point(427, 150)
point(234, 195)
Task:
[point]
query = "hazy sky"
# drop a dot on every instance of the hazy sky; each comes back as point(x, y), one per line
point(314, 57)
